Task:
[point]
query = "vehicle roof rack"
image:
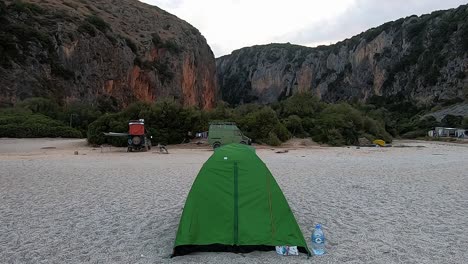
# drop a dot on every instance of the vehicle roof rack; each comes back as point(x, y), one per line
point(139, 121)
point(222, 123)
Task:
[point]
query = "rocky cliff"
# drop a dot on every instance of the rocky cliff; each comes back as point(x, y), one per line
point(422, 58)
point(118, 51)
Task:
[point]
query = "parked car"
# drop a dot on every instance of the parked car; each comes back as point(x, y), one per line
point(222, 133)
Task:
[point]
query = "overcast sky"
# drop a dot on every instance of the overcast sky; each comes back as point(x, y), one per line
point(232, 24)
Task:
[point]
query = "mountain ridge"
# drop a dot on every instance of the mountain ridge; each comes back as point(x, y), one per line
point(104, 50)
point(422, 57)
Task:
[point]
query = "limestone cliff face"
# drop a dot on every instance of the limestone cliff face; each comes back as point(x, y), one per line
point(422, 58)
point(120, 50)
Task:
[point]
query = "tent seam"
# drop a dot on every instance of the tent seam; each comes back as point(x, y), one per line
point(236, 205)
point(271, 210)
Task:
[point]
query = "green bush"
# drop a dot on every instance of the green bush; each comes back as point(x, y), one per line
point(465, 122)
point(170, 45)
point(173, 47)
point(108, 123)
point(294, 124)
point(156, 39)
point(131, 45)
point(98, 22)
point(107, 104)
point(29, 8)
point(333, 137)
point(452, 121)
point(166, 120)
point(272, 139)
point(39, 105)
point(260, 124)
point(301, 105)
point(58, 69)
point(21, 34)
point(79, 115)
point(342, 124)
point(169, 122)
point(76, 115)
point(86, 27)
point(22, 124)
point(415, 134)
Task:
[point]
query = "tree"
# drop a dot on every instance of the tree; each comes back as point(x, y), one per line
point(301, 105)
point(107, 104)
point(465, 122)
point(294, 124)
point(39, 105)
point(260, 124)
point(452, 121)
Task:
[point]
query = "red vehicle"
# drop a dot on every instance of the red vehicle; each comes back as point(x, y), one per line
point(137, 139)
point(137, 136)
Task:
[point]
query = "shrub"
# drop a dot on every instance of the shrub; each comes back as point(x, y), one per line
point(170, 45)
point(294, 124)
point(112, 39)
point(87, 28)
point(334, 137)
point(107, 104)
point(259, 124)
point(415, 134)
point(156, 39)
point(20, 124)
point(29, 8)
point(173, 47)
point(58, 69)
point(272, 139)
point(108, 123)
point(465, 122)
point(166, 120)
point(131, 45)
point(98, 22)
point(165, 73)
point(25, 33)
point(301, 105)
point(79, 115)
point(39, 105)
point(342, 124)
point(452, 121)
point(222, 112)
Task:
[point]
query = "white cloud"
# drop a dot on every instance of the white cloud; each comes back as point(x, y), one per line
point(233, 24)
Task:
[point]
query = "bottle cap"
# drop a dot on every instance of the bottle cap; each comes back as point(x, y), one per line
point(318, 226)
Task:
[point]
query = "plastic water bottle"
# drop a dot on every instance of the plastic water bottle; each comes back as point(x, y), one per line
point(318, 241)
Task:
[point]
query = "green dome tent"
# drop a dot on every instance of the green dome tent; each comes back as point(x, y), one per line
point(235, 205)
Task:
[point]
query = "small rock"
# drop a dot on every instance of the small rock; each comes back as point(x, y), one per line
point(76, 152)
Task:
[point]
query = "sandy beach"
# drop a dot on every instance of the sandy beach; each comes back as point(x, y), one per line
point(377, 205)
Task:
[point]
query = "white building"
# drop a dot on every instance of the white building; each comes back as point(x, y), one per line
point(448, 132)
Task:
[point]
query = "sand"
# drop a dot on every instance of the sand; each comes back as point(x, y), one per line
point(377, 205)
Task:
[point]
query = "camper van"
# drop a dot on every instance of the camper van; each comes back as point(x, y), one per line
point(222, 133)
